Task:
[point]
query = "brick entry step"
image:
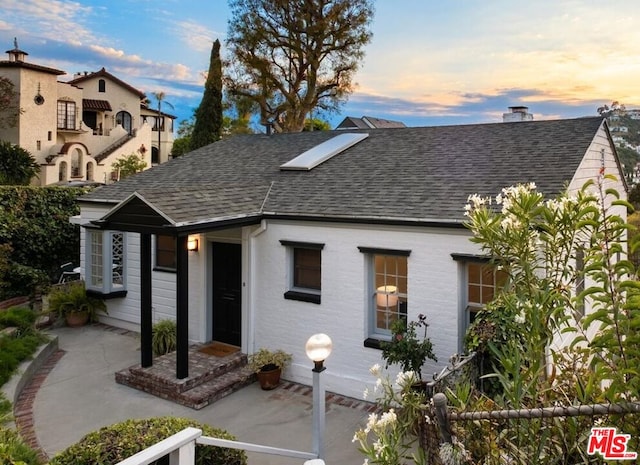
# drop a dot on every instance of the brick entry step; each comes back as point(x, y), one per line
point(210, 378)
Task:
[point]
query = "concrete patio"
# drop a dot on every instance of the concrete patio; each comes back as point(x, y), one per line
point(80, 395)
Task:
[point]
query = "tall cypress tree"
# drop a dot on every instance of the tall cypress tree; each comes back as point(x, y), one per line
point(208, 124)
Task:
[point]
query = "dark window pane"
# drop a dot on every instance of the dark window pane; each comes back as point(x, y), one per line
point(306, 272)
point(166, 252)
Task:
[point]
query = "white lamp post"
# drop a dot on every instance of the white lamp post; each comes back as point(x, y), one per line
point(318, 348)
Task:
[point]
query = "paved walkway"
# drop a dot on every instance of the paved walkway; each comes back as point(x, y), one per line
point(75, 393)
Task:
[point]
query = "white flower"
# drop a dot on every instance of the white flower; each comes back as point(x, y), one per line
point(519, 318)
point(406, 378)
point(378, 385)
point(375, 370)
point(365, 394)
point(388, 419)
point(371, 422)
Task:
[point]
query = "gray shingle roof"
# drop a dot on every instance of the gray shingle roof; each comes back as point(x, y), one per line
point(401, 174)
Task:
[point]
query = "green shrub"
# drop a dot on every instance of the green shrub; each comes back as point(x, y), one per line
point(22, 318)
point(14, 350)
point(6, 411)
point(14, 451)
point(24, 280)
point(17, 166)
point(112, 444)
point(163, 338)
point(34, 221)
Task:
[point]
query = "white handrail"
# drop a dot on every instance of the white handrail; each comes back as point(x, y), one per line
point(182, 445)
point(182, 442)
point(207, 440)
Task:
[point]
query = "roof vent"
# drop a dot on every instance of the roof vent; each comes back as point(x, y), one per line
point(320, 153)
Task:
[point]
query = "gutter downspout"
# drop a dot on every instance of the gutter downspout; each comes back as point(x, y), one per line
point(251, 313)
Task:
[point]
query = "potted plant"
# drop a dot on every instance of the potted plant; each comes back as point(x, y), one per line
point(163, 337)
point(406, 348)
point(71, 302)
point(268, 366)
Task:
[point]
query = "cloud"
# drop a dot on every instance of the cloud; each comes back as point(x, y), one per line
point(195, 35)
point(466, 108)
point(51, 19)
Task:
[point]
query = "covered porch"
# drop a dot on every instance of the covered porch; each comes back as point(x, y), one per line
point(166, 217)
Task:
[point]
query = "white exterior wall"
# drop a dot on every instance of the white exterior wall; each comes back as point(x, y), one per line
point(433, 289)
point(121, 99)
point(599, 155)
point(35, 120)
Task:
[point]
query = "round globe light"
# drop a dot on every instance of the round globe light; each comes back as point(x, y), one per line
point(318, 347)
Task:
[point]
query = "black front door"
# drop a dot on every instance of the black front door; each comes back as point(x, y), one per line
point(227, 285)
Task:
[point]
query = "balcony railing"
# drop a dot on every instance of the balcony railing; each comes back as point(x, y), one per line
point(181, 449)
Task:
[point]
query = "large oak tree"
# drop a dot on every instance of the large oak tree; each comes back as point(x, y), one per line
point(293, 56)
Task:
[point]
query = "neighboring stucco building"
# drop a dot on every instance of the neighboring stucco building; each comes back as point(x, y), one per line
point(77, 129)
point(287, 247)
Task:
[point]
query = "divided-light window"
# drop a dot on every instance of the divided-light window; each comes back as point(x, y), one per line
point(388, 291)
point(483, 282)
point(105, 261)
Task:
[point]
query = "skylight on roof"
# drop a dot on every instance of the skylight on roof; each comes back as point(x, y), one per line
point(320, 153)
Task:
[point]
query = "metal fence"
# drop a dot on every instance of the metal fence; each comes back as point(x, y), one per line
point(559, 435)
point(550, 435)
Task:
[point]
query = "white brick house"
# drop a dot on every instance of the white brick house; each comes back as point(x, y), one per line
point(370, 234)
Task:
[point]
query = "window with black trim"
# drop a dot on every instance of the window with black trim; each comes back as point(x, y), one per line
point(66, 114)
point(101, 85)
point(166, 256)
point(388, 296)
point(305, 265)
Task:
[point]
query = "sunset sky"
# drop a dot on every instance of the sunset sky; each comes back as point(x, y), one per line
point(429, 63)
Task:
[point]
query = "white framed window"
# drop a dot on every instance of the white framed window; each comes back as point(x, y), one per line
point(388, 292)
point(304, 263)
point(105, 261)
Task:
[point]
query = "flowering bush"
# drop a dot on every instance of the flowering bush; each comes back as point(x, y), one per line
point(390, 437)
point(563, 326)
point(406, 348)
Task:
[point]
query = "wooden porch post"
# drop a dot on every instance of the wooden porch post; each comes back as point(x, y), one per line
point(182, 308)
point(146, 323)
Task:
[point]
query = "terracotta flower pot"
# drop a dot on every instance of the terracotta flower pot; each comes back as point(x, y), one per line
point(269, 379)
point(76, 319)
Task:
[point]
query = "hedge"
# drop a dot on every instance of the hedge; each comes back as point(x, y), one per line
point(36, 234)
point(112, 444)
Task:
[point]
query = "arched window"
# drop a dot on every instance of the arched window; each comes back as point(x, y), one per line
point(102, 85)
point(76, 163)
point(123, 118)
point(62, 171)
point(89, 171)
